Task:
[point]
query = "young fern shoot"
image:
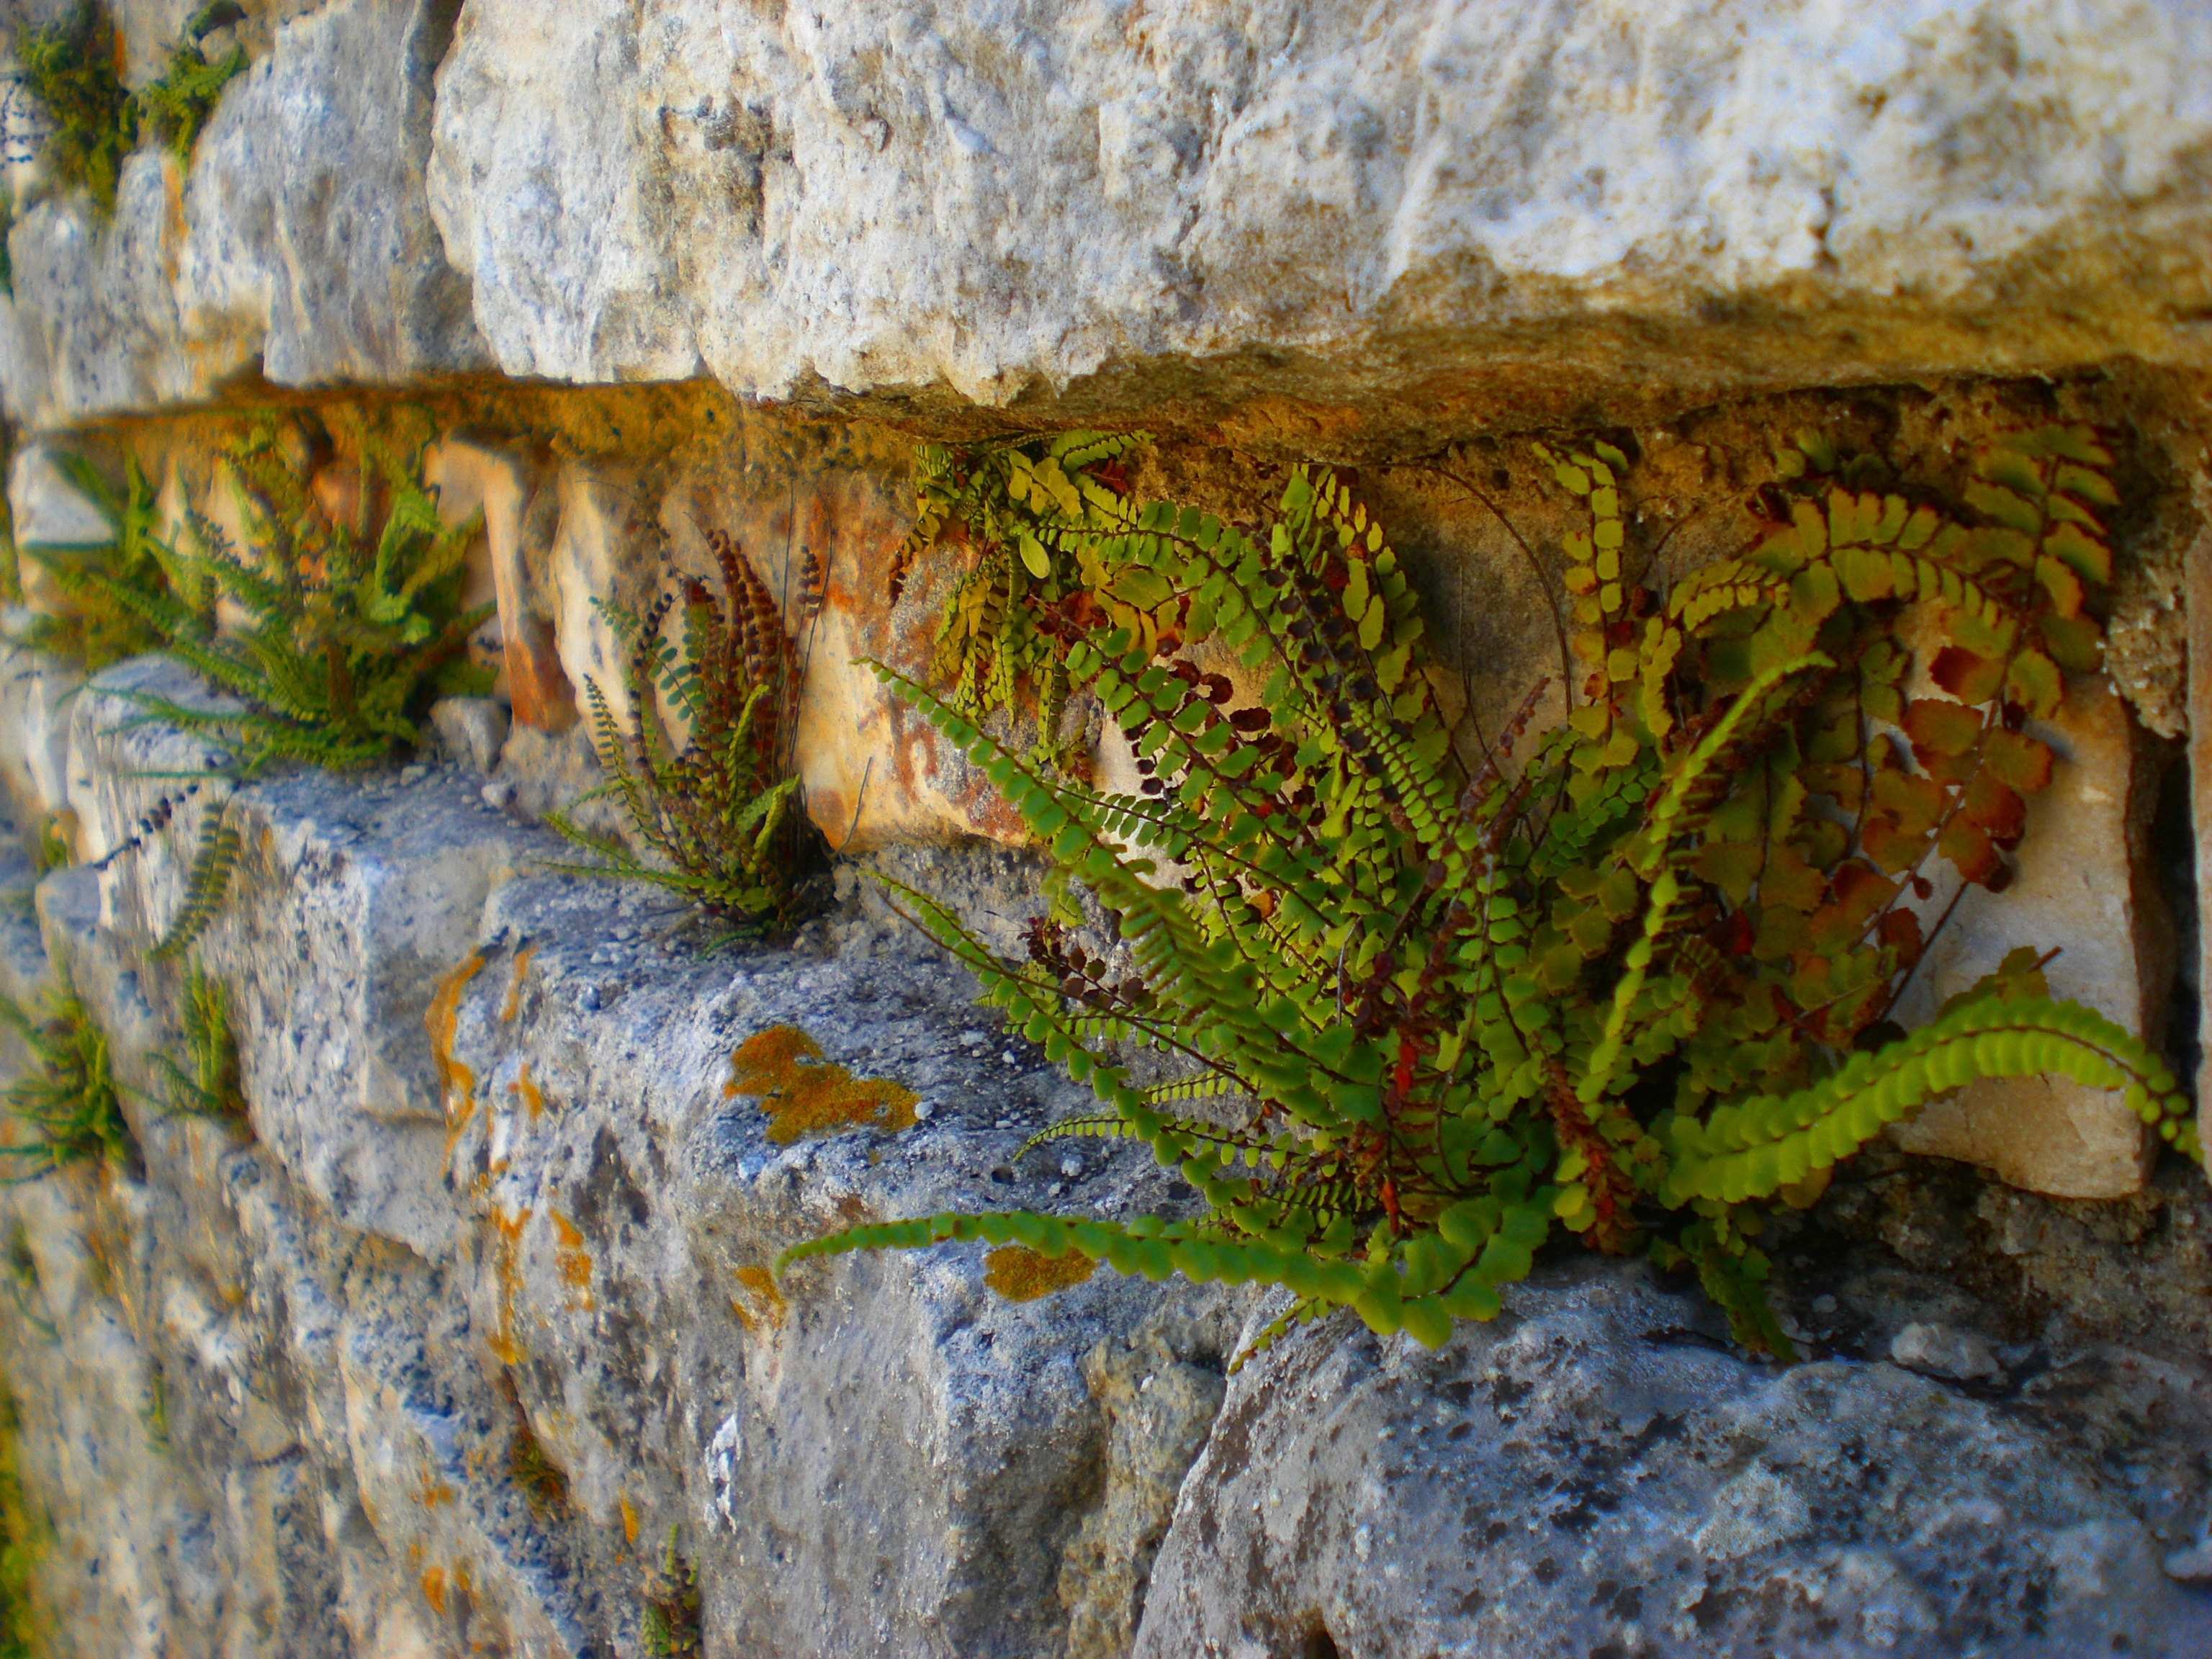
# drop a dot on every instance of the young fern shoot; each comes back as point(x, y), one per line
point(1632, 991)
point(722, 822)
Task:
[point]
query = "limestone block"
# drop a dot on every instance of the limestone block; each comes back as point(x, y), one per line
point(607, 549)
point(518, 513)
point(350, 903)
point(472, 730)
point(2085, 888)
point(36, 692)
point(350, 1307)
point(299, 240)
point(881, 194)
point(1592, 1473)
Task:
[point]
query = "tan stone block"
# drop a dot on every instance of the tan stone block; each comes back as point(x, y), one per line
point(2085, 887)
point(517, 505)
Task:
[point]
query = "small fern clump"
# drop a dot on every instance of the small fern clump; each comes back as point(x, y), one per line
point(73, 70)
point(354, 623)
point(722, 821)
point(208, 1084)
point(178, 105)
point(668, 1624)
point(68, 1098)
point(1419, 1011)
point(1028, 507)
point(93, 626)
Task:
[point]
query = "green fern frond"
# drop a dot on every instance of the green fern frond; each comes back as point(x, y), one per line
point(723, 822)
point(1618, 991)
point(67, 1098)
point(214, 861)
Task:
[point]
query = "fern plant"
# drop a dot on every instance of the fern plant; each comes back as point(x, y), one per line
point(1028, 507)
point(207, 1084)
point(178, 105)
point(1418, 1012)
point(668, 1624)
point(354, 625)
point(722, 822)
point(73, 70)
point(95, 626)
point(67, 1098)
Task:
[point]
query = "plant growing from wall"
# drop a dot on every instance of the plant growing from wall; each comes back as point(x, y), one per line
point(67, 1097)
point(207, 1082)
point(1417, 1012)
point(721, 821)
point(95, 626)
point(353, 620)
point(73, 70)
point(1030, 507)
point(668, 1624)
point(177, 106)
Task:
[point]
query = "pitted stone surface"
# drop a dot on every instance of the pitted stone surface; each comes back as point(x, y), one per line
point(1596, 1473)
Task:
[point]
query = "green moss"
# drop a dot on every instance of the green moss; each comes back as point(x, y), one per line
point(179, 105)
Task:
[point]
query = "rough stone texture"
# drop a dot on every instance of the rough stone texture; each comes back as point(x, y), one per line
point(1322, 198)
point(2087, 890)
point(540, 1200)
point(1597, 1473)
point(299, 244)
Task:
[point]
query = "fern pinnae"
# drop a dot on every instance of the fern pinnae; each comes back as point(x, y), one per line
point(214, 861)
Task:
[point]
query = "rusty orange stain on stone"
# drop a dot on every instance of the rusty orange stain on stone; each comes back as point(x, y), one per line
point(434, 1589)
point(513, 1005)
point(571, 1261)
point(629, 1517)
point(533, 1096)
point(759, 1306)
point(441, 1021)
point(804, 1095)
point(507, 1270)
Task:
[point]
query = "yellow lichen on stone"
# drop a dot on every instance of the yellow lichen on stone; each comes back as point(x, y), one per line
point(1020, 1274)
point(758, 1304)
point(803, 1094)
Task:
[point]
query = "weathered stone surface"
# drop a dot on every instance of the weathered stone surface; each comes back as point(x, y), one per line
point(1595, 1473)
point(2085, 889)
point(1327, 199)
point(300, 243)
point(532, 1195)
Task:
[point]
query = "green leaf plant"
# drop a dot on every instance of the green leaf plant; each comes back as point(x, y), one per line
point(93, 626)
point(1030, 509)
point(1417, 1013)
point(722, 822)
point(73, 70)
point(351, 622)
point(67, 1097)
point(208, 1083)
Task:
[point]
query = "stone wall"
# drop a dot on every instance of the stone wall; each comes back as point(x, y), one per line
point(667, 269)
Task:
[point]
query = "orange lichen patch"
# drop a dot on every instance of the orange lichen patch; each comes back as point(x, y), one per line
point(572, 1261)
point(758, 1304)
point(1020, 1274)
point(629, 1516)
point(803, 1094)
point(434, 1589)
point(533, 1096)
point(507, 1266)
point(513, 1005)
point(441, 1021)
point(433, 1491)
